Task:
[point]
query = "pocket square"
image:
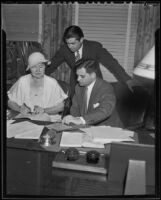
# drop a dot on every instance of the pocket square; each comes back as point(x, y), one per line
point(96, 105)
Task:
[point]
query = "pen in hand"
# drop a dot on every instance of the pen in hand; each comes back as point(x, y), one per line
point(24, 109)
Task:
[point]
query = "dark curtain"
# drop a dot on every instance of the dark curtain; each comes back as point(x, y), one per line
point(148, 23)
point(56, 18)
point(17, 53)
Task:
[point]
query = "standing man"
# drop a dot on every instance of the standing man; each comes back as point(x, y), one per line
point(94, 100)
point(76, 47)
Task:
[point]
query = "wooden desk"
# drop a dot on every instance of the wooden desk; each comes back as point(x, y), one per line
point(29, 172)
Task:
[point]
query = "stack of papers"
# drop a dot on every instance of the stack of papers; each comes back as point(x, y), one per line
point(107, 134)
point(71, 139)
point(25, 130)
point(95, 137)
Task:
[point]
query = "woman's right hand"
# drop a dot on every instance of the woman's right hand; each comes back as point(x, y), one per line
point(24, 109)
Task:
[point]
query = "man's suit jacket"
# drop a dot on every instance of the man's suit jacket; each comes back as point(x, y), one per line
point(91, 50)
point(101, 107)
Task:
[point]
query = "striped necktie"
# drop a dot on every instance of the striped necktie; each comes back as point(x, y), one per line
point(77, 56)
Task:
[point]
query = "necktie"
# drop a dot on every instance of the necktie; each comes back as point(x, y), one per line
point(77, 57)
point(85, 100)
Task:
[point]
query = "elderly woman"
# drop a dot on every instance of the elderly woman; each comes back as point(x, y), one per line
point(36, 92)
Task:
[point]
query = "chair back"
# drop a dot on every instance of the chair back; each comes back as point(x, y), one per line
point(120, 154)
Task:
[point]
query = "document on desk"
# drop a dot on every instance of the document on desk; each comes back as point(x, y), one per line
point(25, 130)
point(78, 139)
point(71, 139)
point(107, 134)
point(40, 117)
point(95, 137)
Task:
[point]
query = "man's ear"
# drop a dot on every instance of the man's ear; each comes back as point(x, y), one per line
point(93, 75)
point(81, 40)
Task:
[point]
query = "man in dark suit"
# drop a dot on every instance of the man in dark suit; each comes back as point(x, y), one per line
point(76, 47)
point(94, 99)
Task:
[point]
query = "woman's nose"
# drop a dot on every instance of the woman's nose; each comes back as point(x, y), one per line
point(38, 69)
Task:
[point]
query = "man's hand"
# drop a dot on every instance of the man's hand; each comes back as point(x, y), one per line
point(24, 109)
point(132, 83)
point(70, 119)
point(38, 110)
point(67, 119)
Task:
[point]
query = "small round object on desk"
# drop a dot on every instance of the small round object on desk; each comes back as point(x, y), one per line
point(72, 154)
point(92, 156)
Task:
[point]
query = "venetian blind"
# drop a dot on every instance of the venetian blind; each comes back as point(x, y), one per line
point(109, 25)
point(22, 22)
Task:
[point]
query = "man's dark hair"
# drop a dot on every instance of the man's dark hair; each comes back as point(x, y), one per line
point(73, 32)
point(90, 65)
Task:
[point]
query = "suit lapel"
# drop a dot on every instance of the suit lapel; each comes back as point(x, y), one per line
point(84, 51)
point(82, 101)
point(69, 57)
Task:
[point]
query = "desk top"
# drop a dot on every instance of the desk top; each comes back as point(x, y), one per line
point(30, 172)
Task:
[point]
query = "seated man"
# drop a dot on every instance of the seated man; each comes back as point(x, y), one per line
point(36, 92)
point(94, 99)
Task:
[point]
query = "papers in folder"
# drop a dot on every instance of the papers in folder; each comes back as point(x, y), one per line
point(95, 137)
point(25, 130)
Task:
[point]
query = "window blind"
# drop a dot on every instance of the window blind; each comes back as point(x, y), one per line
point(107, 23)
point(23, 22)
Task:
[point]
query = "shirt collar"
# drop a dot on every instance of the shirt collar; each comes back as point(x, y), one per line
point(91, 85)
point(79, 50)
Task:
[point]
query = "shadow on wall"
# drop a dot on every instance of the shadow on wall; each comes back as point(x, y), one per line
point(131, 107)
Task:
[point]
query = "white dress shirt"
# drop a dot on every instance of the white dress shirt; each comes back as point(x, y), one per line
point(90, 87)
point(80, 50)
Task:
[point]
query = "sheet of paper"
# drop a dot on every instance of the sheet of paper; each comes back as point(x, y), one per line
point(78, 139)
point(20, 116)
point(24, 130)
point(10, 122)
point(71, 139)
point(87, 141)
point(55, 118)
point(92, 144)
point(107, 134)
point(30, 134)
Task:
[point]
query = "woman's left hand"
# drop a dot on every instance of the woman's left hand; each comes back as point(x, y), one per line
point(38, 110)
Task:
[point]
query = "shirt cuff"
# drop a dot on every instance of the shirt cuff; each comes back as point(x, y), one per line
point(82, 119)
